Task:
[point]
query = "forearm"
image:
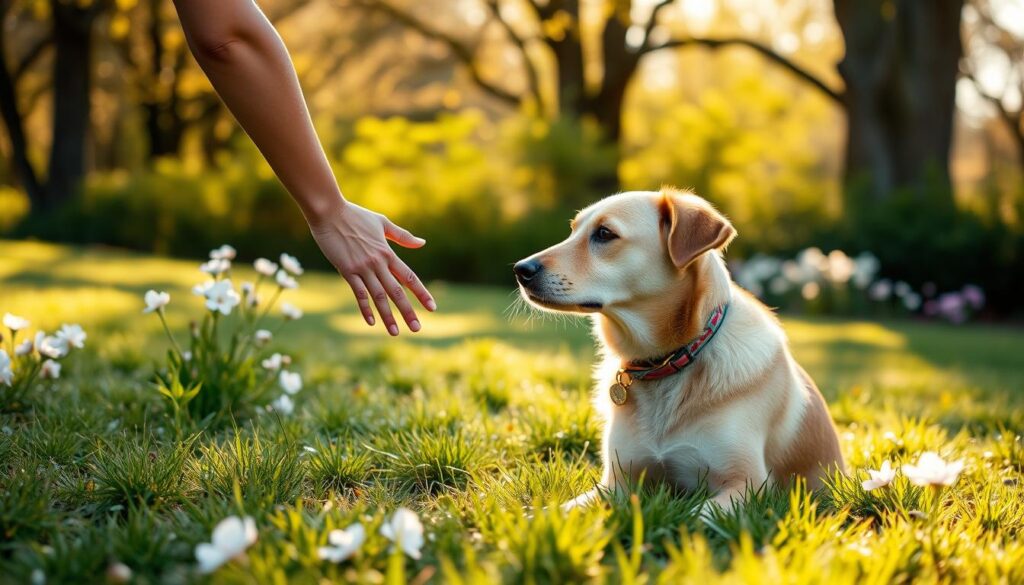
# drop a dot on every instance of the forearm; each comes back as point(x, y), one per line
point(249, 66)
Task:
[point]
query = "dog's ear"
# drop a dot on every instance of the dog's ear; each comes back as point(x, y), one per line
point(693, 226)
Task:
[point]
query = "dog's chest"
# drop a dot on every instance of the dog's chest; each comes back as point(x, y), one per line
point(653, 434)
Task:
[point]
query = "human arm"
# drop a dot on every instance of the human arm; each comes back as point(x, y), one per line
point(250, 68)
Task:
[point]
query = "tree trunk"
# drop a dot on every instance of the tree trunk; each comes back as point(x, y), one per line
point(22, 168)
point(72, 33)
point(900, 71)
point(606, 106)
point(567, 48)
point(164, 125)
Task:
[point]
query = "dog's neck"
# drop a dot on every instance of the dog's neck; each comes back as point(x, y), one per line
point(656, 327)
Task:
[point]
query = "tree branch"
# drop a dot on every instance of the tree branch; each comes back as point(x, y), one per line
point(765, 51)
point(653, 22)
point(34, 52)
point(532, 77)
point(1012, 119)
point(461, 52)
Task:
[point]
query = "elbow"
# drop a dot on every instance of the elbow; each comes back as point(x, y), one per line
point(217, 47)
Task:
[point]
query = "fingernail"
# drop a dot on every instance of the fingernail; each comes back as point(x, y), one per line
point(432, 305)
point(415, 325)
point(371, 320)
point(393, 329)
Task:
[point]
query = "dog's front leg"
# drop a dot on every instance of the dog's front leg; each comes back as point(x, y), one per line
point(608, 483)
point(585, 499)
point(732, 486)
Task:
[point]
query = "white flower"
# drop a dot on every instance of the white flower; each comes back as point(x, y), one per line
point(291, 264)
point(186, 356)
point(23, 348)
point(156, 300)
point(225, 252)
point(283, 404)
point(222, 297)
point(865, 268)
point(912, 301)
point(840, 267)
point(14, 322)
point(200, 289)
point(405, 530)
point(291, 382)
point(72, 335)
point(215, 266)
point(881, 477)
point(881, 290)
point(6, 372)
point(230, 539)
point(119, 572)
point(273, 362)
point(262, 336)
point(265, 267)
point(50, 369)
point(933, 470)
point(284, 280)
point(344, 543)
point(49, 346)
point(291, 312)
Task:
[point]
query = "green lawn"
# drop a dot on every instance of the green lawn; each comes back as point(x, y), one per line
point(476, 423)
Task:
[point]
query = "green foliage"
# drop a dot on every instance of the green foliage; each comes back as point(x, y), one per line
point(136, 471)
point(551, 546)
point(266, 473)
point(920, 240)
point(433, 459)
point(23, 513)
point(338, 466)
point(749, 156)
point(89, 484)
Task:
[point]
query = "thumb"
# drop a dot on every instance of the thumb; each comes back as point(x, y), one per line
point(402, 236)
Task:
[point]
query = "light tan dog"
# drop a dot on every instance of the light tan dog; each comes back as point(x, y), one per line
point(731, 405)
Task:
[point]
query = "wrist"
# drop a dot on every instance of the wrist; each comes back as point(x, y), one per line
point(321, 209)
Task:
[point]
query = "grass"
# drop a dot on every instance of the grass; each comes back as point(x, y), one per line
point(480, 424)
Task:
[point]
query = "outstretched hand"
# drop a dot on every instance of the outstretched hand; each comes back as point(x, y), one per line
point(355, 240)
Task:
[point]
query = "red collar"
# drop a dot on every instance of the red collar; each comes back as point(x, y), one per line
point(681, 357)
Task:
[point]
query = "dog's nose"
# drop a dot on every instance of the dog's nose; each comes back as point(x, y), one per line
point(527, 269)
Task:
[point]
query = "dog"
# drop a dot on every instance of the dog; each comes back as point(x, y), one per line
point(696, 382)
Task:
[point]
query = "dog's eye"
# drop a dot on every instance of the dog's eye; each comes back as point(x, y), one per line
point(603, 234)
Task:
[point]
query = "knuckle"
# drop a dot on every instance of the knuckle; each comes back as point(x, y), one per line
point(396, 292)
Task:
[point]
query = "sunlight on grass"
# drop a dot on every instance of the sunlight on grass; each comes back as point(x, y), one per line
point(481, 424)
point(435, 325)
point(89, 306)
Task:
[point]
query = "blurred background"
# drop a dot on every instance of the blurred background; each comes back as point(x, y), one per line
point(869, 152)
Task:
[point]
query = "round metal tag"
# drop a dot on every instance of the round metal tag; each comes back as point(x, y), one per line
point(618, 394)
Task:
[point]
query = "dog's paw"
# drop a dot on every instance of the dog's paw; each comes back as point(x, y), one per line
point(709, 510)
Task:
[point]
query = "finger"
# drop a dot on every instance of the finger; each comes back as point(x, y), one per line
point(402, 236)
point(397, 293)
point(380, 300)
point(409, 280)
point(362, 297)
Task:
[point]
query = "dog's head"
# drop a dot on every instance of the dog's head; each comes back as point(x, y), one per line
point(623, 250)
